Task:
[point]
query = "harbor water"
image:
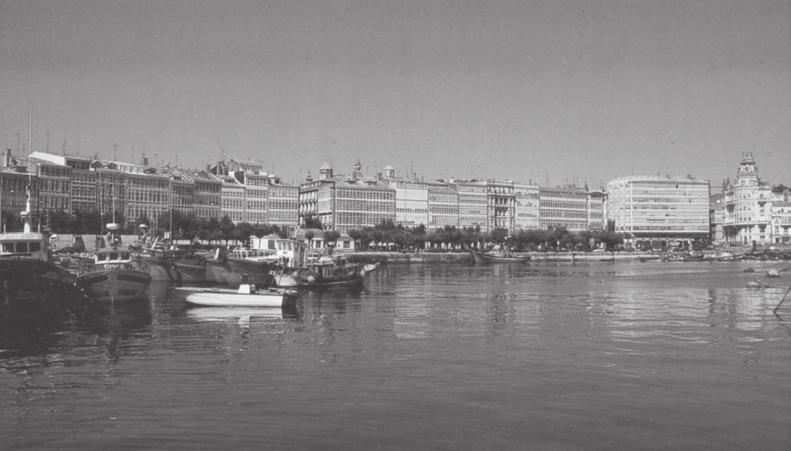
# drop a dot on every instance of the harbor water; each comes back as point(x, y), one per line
point(544, 356)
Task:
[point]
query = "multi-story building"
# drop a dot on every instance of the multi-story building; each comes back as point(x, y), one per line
point(14, 185)
point(232, 199)
point(443, 206)
point(345, 203)
point(596, 207)
point(256, 183)
point(283, 204)
point(500, 201)
point(747, 206)
point(54, 186)
point(781, 222)
point(147, 196)
point(207, 203)
point(652, 210)
point(526, 208)
point(473, 203)
point(565, 207)
point(411, 197)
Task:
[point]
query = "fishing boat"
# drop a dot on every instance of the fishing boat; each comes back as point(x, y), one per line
point(247, 295)
point(325, 273)
point(256, 264)
point(27, 272)
point(114, 277)
point(164, 263)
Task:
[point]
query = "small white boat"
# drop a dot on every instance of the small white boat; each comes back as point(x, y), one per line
point(245, 296)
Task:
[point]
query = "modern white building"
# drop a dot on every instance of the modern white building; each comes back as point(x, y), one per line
point(653, 211)
point(563, 206)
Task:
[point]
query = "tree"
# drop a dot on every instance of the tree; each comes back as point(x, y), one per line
point(331, 235)
point(310, 221)
point(227, 228)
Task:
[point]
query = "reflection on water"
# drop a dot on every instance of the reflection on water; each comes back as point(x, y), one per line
point(550, 356)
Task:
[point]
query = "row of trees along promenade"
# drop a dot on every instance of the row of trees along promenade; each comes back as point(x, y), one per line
point(188, 227)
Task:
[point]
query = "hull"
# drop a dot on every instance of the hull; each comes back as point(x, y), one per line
point(25, 279)
point(325, 276)
point(257, 272)
point(217, 272)
point(165, 269)
point(232, 298)
point(115, 285)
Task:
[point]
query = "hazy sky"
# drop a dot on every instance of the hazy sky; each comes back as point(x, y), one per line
point(517, 90)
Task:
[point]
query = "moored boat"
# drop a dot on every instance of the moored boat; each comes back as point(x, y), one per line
point(114, 277)
point(27, 272)
point(247, 295)
point(324, 274)
point(498, 257)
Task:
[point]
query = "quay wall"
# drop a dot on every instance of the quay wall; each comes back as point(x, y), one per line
point(466, 257)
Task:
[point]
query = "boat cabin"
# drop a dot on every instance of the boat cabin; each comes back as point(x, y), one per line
point(24, 244)
point(111, 258)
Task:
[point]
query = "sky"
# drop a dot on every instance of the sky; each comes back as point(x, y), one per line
point(552, 92)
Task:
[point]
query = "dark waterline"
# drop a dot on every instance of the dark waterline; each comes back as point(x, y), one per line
point(538, 356)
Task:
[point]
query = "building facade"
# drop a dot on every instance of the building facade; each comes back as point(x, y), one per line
point(565, 207)
point(526, 206)
point(500, 203)
point(473, 203)
point(443, 206)
point(747, 206)
point(653, 211)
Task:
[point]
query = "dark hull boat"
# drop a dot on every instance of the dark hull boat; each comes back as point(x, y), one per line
point(484, 257)
point(180, 270)
point(115, 285)
point(26, 279)
point(257, 272)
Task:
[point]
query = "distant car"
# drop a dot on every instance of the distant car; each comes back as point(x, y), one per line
point(600, 249)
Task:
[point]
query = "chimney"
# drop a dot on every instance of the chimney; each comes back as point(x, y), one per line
point(7, 158)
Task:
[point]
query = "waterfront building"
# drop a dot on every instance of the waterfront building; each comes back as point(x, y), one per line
point(443, 206)
point(747, 206)
point(207, 203)
point(473, 203)
point(411, 197)
point(111, 192)
point(255, 180)
point(781, 222)
point(54, 187)
point(653, 211)
point(283, 203)
point(526, 206)
point(146, 196)
point(596, 207)
point(565, 206)
point(232, 198)
point(13, 196)
point(500, 202)
point(346, 203)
